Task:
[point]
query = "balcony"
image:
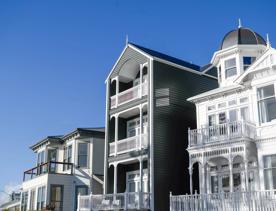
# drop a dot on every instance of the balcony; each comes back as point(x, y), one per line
point(252, 200)
point(129, 95)
point(134, 143)
point(221, 133)
point(48, 168)
point(119, 201)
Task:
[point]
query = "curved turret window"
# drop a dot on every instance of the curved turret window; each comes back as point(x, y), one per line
point(230, 68)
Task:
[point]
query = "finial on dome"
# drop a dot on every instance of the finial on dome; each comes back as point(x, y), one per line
point(126, 39)
point(240, 24)
point(267, 41)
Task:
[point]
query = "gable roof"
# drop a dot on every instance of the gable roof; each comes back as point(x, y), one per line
point(95, 132)
point(156, 54)
point(161, 57)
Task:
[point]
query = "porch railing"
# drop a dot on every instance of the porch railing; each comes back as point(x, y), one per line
point(48, 168)
point(129, 95)
point(221, 132)
point(128, 145)
point(236, 201)
point(119, 201)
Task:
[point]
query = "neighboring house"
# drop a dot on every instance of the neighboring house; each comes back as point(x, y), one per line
point(66, 166)
point(232, 150)
point(13, 204)
point(146, 117)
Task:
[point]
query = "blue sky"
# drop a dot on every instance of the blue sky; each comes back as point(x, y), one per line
point(55, 56)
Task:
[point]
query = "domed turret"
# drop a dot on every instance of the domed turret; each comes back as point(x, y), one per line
point(241, 36)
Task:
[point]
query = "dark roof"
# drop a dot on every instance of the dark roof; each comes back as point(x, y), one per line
point(166, 57)
point(210, 69)
point(96, 132)
point(241, 36)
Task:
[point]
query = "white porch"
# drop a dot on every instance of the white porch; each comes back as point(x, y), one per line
point(237, 201)
point(119, 201)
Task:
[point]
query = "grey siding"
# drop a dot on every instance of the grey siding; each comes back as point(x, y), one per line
point(172, 117)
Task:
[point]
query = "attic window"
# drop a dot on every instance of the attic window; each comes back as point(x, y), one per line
point(247, 61)
point(230, 68)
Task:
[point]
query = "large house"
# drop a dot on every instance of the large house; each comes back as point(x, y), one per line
point(66, 166)
point(146, 116)
point(232, 150)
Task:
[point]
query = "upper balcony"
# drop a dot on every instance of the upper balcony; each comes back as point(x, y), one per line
point(221, 133)
point(130, 84)
point(48, 168)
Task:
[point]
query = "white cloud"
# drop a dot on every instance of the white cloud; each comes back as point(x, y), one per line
point(8, 189)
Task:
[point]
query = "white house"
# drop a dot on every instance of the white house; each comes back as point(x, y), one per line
point(66, 166)
point(232, 151)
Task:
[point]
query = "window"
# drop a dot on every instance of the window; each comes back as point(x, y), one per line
point(247, 61)
point(214, 184)
point(219, 74)
point(233, 115)
point(56, 196)
point(230, 68)
point(211, 108)
point(225, 183)
point(222, 118)
point(245, 114)
point(232, 102)
point(41, 158)
point(266, 104)
point(83, 155)
point(24, 201)
point(237, 182)
point(32, 200)
point(221, 105)
point(40, 198)
point(67, 157)
point(212, 120)
point(244, 100)
point(270, 172)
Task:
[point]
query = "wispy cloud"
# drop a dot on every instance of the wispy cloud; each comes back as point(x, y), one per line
point(8, 189)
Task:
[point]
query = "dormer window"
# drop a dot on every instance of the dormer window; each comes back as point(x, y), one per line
point(247, 61)
point(230, 68)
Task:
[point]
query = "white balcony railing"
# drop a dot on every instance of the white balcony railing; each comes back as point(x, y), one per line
point(221, 132)
point(128, 145)
point(119, 201)
point(129, 95)
point(236, 201)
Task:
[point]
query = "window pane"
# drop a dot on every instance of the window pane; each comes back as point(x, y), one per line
point(212, 120)
point(267, 110)
point(267, 91)
point(244, 100)
point(214, 184)
point(83, 148)
point(222, 118)
point(233, 115)
point(231, 72)
point(230, 63)
point(82, 161)
point(245, 114)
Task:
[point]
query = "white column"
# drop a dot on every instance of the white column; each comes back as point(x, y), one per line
point(141, 182)
point(115, 178)
point(116, 132)
point(208, 190)
point(231, 175)
point(203, 179)
point(117, 89)
point(141, 79)
point(141, 127)
point(246, 174)
point(191, 179)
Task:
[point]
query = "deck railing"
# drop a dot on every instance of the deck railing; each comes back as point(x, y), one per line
point(221, 132)
point(129, 95)
point(48, 168)
point(128, 145)
point(236, 201)
point(119, 201)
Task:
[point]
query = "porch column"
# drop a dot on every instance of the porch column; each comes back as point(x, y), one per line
point(116, 132)
point(141, 79)
point(191, 179)
point(246, 175)
point(231, 175)
point(141, 182)
point(115, 178)
point(141, 127)
point(208, 178)
point(117, 89)
point(203, 175)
